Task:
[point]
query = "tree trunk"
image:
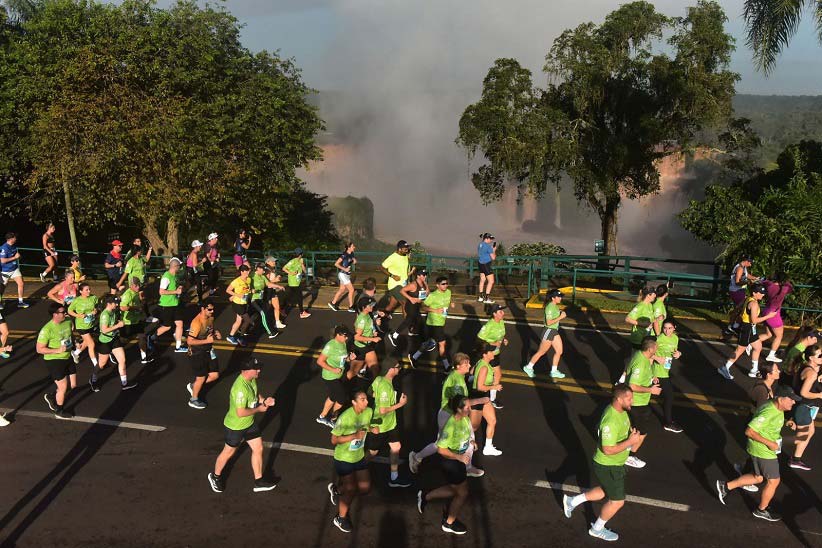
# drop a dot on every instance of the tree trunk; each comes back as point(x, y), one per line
point(608, 220)
point(173, 236)
point(154, 238)
point(75, 247)
point(557, 211)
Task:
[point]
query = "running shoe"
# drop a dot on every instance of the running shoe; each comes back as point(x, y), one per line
point(241, 341)
point(5, 355)
point(491, 451)
point(473, 472)
point(351, 309)
point(725, 372)
point(343, 524)
point(489, 300)
point(233, 340)
point(42, 278)
point(567, 507)
point(773, 358)
point(261, 485)
point(766, 514)
point(603, 534)
point(456, 528)
point(197, 403)
point(75, 356)
point(635, 462)
point(190, 388)
point(399, 482)
point(411, 361)
point(748, 488)
point(304, 315)
point(333, 307)
point(753, 373)
point(413, 463)
point(128, 386)
point(798, 464)
point(557, 374)
point(748, 350)
point(480, 298)
point(4, 421)
point(62, 414)
point(529, 370)
point(393, 338)
point(24, 304)
point(216, 482)
point(421, 502)
point(721, 490)
point(333, 494)
point(363, 373)
point(673, 427)
point(50, 401)
point(280, 325)
point(274, 335)
point(94, 386)
point(496, 403)
point(181, 349)
point(412, 333)
point(621, 379)
point(2, 306)
point(147, 359)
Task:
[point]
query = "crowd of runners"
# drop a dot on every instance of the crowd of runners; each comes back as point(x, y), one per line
point(362, 396)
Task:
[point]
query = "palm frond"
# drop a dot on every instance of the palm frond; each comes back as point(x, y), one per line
point(771, 25)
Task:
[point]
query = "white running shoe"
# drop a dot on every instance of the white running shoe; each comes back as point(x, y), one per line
point(529, 370)
point(491, 451)
point(280, 325)
point(567, 507)
point(474, 472)
point(557, 374)
point(753, 373)
point(772, 358)
point(604, 534)
point(635, 462)
point(3, 420)
point(621, 379)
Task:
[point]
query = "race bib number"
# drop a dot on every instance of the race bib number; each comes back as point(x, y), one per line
point(814, 410)
point(423, 294)
point(668, 363)
point(778, 446)
point(356, 444)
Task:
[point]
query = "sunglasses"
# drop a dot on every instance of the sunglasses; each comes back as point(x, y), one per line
point(443, 283)
point(209, 310)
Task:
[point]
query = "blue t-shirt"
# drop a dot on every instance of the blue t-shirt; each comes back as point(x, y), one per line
point(484, 251)
point(347, 259)
point(115, 272)
point(7, 251)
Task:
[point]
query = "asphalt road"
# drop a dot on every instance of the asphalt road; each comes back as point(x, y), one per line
point(138, 478)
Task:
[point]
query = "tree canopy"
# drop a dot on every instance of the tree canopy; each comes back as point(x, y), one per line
point(619, 99)
point(155, 117)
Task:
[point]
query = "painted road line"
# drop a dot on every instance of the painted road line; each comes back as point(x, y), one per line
point(89, 420)
point(313, 450)
point(630, 498)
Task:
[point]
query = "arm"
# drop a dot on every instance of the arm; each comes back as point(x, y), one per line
point(404, 292)
point(630, 441)
point(43, 349)
point(322, 361)
point(72, 313)
point(482, 387)
point(359, 337)
point(399, 404)
point(562, 316)
point(755, 317)
point(754, 435)
point(448, 454)
point(807, 383)
point(338, 264)
point(337, 440)
point(107, 329)
point(52, 294)
point(248, 411)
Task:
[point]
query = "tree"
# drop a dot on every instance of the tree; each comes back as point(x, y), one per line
point(771, 25)
point(612, 109)
point(161, 118)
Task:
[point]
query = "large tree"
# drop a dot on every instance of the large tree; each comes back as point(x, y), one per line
point(159, 118)
point(773, 23)
point(618, 100)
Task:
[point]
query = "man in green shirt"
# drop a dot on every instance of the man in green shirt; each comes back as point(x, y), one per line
point(643, 383)
point(243, 403)
point(615, 440)
point(169, 311)
point(550, 336)
point(131, 307)
point(332, 360)
point(384, 419)
point(54, 343)
point(135, 266)
point(295, 269)
point(436, 305)
point(348, 439)
point(493, 333)
point(109, 343)
point(396, 267)
point(764, 435)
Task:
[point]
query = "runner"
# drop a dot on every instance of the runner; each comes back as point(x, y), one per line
point(454, 385)
point(805, 336)
point(169, 312)
point(137, 242)
point(211, 266)
point(134, 321)
point(274, 290)
point(259, 283)
point(295, 269)
point(616, 438)
point(239, 291)
point(436, 304)
point(395, 266)
point(114, 267)
point(332, 360)
point(204, 366)
point(456, 446)
point(486, 254)
point(50, 253)
point(365, 340)
point(241, 245)
point(493, 333)
point(384, 419)
point(762, 390)
point(550, 336)
point(75, 267)
point(764, 445)
point(660, 312)
point(195, 270)
point(667, 348)
point(809, 387)
point(414, 292)
point(54, 343)
point(775, 292)
point(484, 383)
point(10, 269)
point(748, 341)
point(344, 263)
point(110, 343)
point(348, 439)
point(66, 291)
point(5, 349)
point(243, 403)
point(135, 267)
point(84, 311)
point(737, 290)
point(640, 374)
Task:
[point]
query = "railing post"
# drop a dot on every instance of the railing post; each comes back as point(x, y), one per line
point(715, 283)
point(626, 279)
point(574, 288)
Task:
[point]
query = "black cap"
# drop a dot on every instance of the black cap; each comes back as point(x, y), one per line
point(341, 330)
point(421, 272)
point(745, 257)
point(554, 293)
point(251, 363)
point(488, 348)
point(364, 302)
point(758, 288)
point(487, 236)
point(497, 307)
point(783, 391)
point(817, 334)
point(402, 243)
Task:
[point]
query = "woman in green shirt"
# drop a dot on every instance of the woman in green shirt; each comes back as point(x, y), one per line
point(805, 337)
point(660, 312)
point(295, 269)
point(550, 336)
point(84, 311)
point(483, 384)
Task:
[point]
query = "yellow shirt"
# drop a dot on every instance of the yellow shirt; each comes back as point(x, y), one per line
point(241, 289)
point(397, 265)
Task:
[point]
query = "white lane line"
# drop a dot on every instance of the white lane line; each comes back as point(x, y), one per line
point(639, 500)
point(89, 420)
point(313, 450)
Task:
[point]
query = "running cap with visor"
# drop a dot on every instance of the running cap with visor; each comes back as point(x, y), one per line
point(554, 293)
point(487, 236)
point(250, 364)
point(758, 288)
point(402, 243)
point(212, 236)
point(783, 391)
point(497, 307)
point(196, 243)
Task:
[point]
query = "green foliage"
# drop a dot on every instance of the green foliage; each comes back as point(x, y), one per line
point(772, 24)
point(535, 249)
point(616, 103)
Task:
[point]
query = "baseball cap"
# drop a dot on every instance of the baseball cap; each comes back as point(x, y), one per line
point(116, 242)
point(746, 257)
point(196, 243)
point(488, 348)
point(783, 391)
point(817, 334)
point(554, 293)
point(341, 330)
point(497, 307)
point(421, 272)
point(402, 243)
point(212, 236)
point(251, 363)
point(175, 260)
point(487, 235)
point(758, 288)
point(364, 302)
point(298, 251)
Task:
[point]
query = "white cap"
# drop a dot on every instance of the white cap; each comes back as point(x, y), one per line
point(175, 260)
point(196, 243)
point(212, 236)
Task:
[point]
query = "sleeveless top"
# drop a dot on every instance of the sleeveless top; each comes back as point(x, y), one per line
point(743, 281)
point(746, 315)
point(816, 387)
